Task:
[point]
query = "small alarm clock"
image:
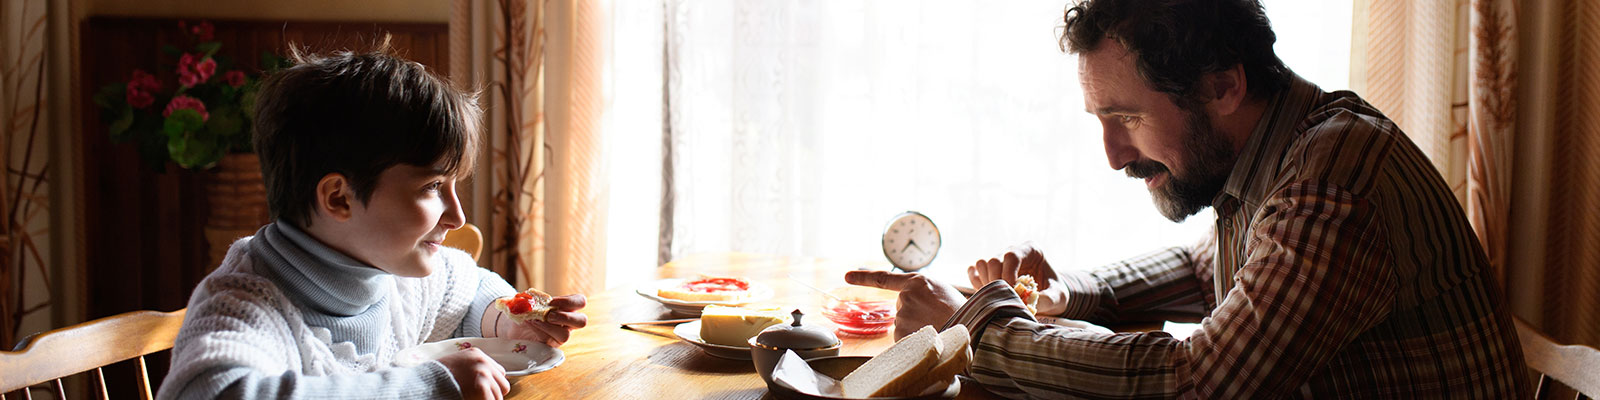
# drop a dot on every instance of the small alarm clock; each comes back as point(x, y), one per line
point(910, 241)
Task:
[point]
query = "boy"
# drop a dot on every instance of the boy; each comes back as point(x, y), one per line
point(360, 153)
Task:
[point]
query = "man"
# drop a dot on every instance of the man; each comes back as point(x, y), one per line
point(1340, 265)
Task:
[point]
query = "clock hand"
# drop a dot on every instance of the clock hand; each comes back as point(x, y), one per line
point(909, 243)
point(914, 244)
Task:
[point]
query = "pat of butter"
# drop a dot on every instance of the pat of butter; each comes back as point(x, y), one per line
point(733, 326)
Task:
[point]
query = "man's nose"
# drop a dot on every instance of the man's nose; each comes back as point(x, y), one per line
point(1118, 151)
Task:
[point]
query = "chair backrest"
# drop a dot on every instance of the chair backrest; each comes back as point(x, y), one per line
point(88, 346)
point(467, 238)
point(1573, 365)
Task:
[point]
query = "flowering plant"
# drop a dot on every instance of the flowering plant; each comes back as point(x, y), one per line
point(205, 116)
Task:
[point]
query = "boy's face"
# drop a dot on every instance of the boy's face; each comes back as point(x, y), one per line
point(400, 227)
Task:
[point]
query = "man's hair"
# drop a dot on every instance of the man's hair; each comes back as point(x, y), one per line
point(357, 114)
point(1176, 42)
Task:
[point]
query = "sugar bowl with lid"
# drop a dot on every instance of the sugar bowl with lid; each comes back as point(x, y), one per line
point(807, 341)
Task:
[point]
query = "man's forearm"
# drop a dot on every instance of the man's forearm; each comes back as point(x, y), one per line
point(1153, 286)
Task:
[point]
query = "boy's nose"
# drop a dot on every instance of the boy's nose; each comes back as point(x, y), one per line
point(453, 216)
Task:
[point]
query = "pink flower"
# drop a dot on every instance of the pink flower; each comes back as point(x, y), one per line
point(181, 102)
point(234, 78)
point(141, 88)
point(203, 30)
point(193, 70)
point(206, 68)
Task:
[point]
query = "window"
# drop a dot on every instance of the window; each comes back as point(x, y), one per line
point(800, 128)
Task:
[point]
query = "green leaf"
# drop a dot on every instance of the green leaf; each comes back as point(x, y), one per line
point(119, 127)
point(112, 95)
point(196, 150)
point(247, 101)
point(208, 48)
point(182, 122)
point(272, 62)
point(225, 121)
point(191, 143)
point(171, 50)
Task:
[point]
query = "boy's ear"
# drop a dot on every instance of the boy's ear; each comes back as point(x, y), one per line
point(334, 196)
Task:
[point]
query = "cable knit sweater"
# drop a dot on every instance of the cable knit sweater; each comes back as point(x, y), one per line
point(286, 317)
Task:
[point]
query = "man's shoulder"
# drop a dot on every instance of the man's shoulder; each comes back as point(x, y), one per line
point(1345, 142)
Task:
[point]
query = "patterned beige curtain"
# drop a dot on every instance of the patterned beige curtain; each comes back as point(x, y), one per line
point(1448, 73)
point(539, 193)
point(1568, 292)
point(26, 92)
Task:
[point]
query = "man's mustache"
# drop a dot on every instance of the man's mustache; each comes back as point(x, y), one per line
point(1144, 169)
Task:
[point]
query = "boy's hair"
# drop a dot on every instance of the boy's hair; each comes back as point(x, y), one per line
point(357, 115)
point(1175, 42)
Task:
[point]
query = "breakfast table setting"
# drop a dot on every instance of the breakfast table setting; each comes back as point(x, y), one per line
point(638, 344)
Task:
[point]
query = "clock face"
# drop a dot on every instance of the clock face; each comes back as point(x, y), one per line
point(910, 241)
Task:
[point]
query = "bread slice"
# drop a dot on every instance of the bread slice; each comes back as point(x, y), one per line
point(954, 354)
point(531, 305)
point(1028, 290)
point(899, 371)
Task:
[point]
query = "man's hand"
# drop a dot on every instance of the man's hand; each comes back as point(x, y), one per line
point(923, 301)
point(479, 376)
point(557, 325)
point(1020, 260)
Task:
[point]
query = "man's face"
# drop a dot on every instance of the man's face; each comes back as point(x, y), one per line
point(400, 227)
point(1183, 160)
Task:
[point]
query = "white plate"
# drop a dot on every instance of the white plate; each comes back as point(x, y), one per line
point(758, 292)
point(519, 357)
point(690, 332)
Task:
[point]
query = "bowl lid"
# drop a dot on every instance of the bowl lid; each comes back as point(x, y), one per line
point(796, 336)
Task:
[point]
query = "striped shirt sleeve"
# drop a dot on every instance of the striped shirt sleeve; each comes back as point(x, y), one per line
point(1163, 285)
point(1317, 276)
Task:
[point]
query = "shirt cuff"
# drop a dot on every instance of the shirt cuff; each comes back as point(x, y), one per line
point(995, 300)
point(1086, 295)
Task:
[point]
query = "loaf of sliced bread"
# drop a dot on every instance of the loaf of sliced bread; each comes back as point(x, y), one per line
point(913, 365)
point(899, 370)
point(954, 354)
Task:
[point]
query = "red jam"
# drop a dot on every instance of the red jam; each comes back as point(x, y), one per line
point(713, 285)
point(865, 319)
point(519, 304)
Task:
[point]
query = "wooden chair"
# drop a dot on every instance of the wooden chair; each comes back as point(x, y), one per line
point(1576, 366)
point(88, 346)
point(467, 238)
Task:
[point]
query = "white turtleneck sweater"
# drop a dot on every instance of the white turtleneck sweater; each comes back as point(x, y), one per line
point(287, 317)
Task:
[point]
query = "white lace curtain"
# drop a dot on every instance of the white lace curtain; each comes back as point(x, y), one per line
point(801, 127)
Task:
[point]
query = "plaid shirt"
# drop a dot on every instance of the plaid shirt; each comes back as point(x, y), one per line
point(1344, 266)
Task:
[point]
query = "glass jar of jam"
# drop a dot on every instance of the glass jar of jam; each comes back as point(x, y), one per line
point(860, 311)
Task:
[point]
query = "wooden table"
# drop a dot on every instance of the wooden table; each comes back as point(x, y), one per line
point(607, 362)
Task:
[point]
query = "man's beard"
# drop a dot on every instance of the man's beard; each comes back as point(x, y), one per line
point(1208, 160)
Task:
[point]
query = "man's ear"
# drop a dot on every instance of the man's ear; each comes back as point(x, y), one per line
point(1227, 90)
point(334, 196)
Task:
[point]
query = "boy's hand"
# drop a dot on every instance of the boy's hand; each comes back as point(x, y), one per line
point(558, 323)
point(478, 376)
